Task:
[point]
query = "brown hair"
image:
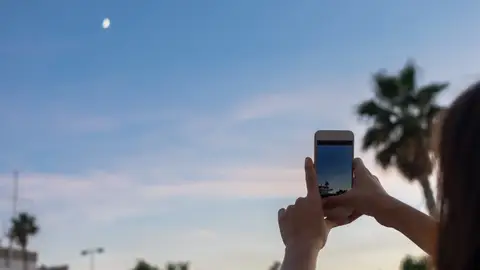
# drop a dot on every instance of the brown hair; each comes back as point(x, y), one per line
point(459, 235)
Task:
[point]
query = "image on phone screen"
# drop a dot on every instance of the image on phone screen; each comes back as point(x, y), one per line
point(333, 166)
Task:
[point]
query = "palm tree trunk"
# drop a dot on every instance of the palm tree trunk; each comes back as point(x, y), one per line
point(428, 195)
point(25, 258)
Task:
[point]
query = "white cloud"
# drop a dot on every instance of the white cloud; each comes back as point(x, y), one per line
point(322, 100)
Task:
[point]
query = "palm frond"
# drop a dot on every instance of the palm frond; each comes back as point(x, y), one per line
point(386, 87)
point(376, 136)
point(386, 155)
point(407, 78)
point(373, 110)
point(411, 126)
point(434, 111)
point(427, 94)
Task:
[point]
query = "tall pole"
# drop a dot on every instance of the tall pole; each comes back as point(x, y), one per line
point(91, 252)
point(14, 213)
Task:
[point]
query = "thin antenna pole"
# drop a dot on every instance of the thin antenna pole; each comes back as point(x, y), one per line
point(2, 236)
point(15, 193)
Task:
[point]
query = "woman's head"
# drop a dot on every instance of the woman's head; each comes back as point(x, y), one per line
point(459, 241)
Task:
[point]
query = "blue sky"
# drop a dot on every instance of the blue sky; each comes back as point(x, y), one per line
point(177, 133)
point(333, 165)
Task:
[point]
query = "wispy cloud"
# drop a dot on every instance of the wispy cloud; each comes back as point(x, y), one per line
point(137, 187)
point(265, 164)
point(182, 144)
point(242, 154)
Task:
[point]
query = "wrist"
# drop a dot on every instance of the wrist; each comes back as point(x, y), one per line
point(385, 210)
point(302, 249)
point(300, 257)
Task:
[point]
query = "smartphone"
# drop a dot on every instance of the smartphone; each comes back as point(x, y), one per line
point(333, 161)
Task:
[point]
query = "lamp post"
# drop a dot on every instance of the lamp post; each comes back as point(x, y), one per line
point(91, 252)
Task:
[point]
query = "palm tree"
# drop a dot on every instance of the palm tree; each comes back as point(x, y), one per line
point(401, 116)
point(275, 266)
point(144, 265)
point(183, 266)
point(178, 266)
point(23, 226)
point(410, 263)
point(171, 266)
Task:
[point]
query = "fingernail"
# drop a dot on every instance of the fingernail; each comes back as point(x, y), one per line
point(357, 162)
point(308, 162)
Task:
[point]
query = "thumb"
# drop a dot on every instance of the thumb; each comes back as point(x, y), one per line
point(345, 199)
point(359, 169)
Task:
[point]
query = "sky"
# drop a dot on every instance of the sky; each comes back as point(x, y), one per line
point(178, 132)
point(334, 165)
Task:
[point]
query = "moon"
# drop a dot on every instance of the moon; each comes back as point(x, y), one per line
point(106, 23)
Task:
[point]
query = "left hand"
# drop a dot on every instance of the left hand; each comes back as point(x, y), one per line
point(303, 225)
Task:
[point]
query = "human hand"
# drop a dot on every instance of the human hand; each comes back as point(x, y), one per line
point(302, 225)
point(365, 197)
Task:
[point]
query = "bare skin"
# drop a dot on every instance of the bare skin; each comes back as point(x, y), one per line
point(304, 229)
point(303, 226)
point(368, 197)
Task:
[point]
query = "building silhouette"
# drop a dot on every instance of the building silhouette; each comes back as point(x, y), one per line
point(325, 189)
point(16, 262)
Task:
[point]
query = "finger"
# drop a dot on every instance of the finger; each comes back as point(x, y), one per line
point(359, 169)
point(376, 178)
point(343, 200)
point(344, 221)
point(300, 201)
point(338, 215)
point(311, 179)
point(330, 224)
point(281, 213)
point(354, 216)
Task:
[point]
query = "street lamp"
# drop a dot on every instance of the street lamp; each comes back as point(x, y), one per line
point(91, 253)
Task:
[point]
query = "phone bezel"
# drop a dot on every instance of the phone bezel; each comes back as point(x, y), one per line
point(334, 135)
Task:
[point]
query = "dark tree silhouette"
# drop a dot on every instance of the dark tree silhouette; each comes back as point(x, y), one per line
point(275, 266)
point(171, 266)
point(144, 265)
point(410, 263)
point(178, 266)
point(401, 115)
point(23, 226)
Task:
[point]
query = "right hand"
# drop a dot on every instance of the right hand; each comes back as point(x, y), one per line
point(365, 197)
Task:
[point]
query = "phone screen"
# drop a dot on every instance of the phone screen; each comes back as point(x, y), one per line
point(333, 165)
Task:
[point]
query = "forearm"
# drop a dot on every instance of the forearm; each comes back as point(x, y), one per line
point(299, 259)
point(417, 226)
